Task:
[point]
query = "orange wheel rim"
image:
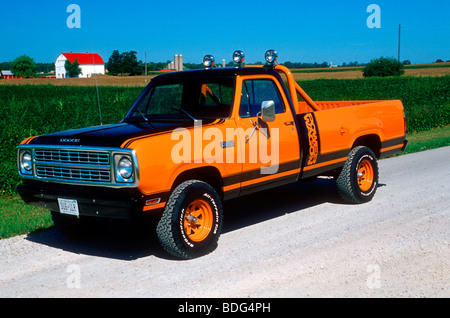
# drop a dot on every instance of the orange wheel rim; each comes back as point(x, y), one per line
point(198, 220)
point(365, 175)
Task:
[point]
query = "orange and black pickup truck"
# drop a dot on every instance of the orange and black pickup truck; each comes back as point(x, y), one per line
point(196, 138)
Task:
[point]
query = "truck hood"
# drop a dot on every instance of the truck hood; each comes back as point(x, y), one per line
point(105, 136)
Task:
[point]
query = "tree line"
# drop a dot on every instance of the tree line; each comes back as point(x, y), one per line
point(32, 68)
point(126, 63)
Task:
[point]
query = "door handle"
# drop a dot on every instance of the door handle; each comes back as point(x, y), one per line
point(289, 123)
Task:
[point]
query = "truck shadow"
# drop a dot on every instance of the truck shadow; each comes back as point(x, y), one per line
point(269, 204)
point(273, 203)
point(130, 240)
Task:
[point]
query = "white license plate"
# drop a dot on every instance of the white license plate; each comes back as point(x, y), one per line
point(68, 206)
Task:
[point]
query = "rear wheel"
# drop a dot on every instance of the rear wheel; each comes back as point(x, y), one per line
point(192, 220)
point(357, 182)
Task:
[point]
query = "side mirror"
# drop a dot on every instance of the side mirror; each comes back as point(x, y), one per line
point(267, 115)
point(268, 111)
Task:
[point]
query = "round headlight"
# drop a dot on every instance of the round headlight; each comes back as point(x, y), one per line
point(27, 164)
point(271, 56)
point(208, 61)
point(238, 57)
point(125, 168)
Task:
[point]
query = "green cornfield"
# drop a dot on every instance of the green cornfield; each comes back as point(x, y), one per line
point(27, 110)
point(426, 100)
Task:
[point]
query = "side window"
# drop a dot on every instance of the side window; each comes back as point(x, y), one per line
point(215, 94)
point(254, 92)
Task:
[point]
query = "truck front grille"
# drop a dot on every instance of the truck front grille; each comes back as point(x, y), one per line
point(90, 166)
point(72, 165)
point(74, 174)
point(72, 156)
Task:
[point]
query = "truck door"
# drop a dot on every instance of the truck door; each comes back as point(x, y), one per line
point(272, 155)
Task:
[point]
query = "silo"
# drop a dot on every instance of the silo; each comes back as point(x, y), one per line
point(180, 62)
point(176, 62)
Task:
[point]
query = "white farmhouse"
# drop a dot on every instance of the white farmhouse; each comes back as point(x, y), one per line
point(90, 63)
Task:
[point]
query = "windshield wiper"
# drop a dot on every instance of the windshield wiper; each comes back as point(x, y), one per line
point(142, 114)
point(192, 117)
point(145, 117)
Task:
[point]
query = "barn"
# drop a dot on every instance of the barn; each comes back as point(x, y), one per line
point(90, 63)
point(7, 74)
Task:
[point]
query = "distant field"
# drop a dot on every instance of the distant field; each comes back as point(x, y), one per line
point(101, 80)
point(418, 70)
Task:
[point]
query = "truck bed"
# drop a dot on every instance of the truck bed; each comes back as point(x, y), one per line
point(334, 130)
point(303, 107)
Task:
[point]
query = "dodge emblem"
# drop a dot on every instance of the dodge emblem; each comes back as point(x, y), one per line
point(69, 140)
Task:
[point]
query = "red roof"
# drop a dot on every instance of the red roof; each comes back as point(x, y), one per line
point(84, 58)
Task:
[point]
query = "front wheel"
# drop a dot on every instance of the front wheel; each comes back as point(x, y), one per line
point(357, 182)
point(192, 220)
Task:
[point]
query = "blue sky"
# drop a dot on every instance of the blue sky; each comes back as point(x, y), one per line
point(301, 31)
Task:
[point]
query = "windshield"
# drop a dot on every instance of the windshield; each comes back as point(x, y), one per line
point(185, 99)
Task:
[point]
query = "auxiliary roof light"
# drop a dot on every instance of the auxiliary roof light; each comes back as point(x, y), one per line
point(208, 61)
point(238, 57)
point(271, 56)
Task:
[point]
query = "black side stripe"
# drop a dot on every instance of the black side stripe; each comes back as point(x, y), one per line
point(393, 142)
point(256, 173)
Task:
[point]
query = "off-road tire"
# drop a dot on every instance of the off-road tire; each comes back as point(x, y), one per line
point(354, 188)
point(178, 234)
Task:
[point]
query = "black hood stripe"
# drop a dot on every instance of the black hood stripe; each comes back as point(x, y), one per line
point(106, 136)
point(114, 135)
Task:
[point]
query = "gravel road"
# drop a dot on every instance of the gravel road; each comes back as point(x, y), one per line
point(299, 240)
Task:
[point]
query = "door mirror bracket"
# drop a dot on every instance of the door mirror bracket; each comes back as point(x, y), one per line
point(266, 115)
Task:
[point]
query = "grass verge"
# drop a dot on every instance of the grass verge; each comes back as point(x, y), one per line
point(430, 139)
point(18, 218)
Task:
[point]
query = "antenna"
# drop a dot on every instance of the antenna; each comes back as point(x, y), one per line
point(399, 34)
point(96, 86)
point(98, 100)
